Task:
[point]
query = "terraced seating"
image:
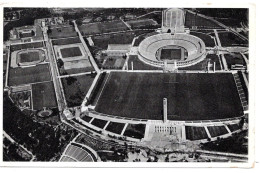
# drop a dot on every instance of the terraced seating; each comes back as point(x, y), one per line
point(76, 153)
point(194, 46)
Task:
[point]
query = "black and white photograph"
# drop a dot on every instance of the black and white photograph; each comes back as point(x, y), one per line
point(128, 84)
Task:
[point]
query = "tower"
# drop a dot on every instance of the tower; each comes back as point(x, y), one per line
point(164, 110)
point(173, 21)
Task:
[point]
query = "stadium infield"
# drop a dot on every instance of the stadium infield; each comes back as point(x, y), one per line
point(191, 96)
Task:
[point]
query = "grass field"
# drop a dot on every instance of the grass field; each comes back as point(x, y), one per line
point(104, 27)
point(203, 64)
point(19, 76)
point(115, 127)
point(195, 133)
point(217, 130)
point(26, 46)
point(65, 41)
point(43, 95)
point(228, 39)
point(195, 20)
point(141, 23)
point(76, 88)
point(29, 56)
point(70, 52)
point(208, 40)
point(102, 41)
point(99, 123)
point(171, 54)
point(139, 65)
point(62, 32)
point(135, 131)
point(197, 96)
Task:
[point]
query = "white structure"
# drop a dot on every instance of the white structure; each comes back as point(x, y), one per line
point(173, 21)
point(117, 49)
point(165, 110)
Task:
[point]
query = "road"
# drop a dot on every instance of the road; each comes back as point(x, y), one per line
point(57, 84)
point(93, 62)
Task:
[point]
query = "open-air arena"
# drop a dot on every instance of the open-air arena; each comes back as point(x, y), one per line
point(128, 84)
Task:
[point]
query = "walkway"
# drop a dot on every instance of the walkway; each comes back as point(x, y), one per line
point(57, 84)
point(93, 62)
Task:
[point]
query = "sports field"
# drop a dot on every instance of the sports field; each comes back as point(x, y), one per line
point(29, 56)
point(43, 95)
point(19, 76)
point(70, 52)
point(171, 54)
point(191, 96)
point(104, 27)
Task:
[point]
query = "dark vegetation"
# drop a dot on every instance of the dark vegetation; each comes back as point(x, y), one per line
point(41, 139)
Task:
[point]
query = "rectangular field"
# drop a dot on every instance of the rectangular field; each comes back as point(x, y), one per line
point(191, 96)
point(105, 27)
point(70, 52)
point(195, 133)
point(43, 95)
point(171, 54)
point(29, 56)
point(19, 76)
point(62, 32)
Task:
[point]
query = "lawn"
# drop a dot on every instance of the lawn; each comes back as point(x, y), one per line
point(104, 27)
point(26, 46)
point(115, 127)
point(229, 39)
point(195, 133)
point(43, 95)
point(19, 76)
point(207, 39)
point(171, 54)
point(141, 23)
point(191, 96)
point(70, 52)
point(76, 88)
point(102, 41)
point(195, 20)
point(233, 127)
point(29, 56)
point(139, 65)
point(65, 41)
point(217, 130)
point(99, 123)
point(203, 64)
point(62, 32)
point(135, 131)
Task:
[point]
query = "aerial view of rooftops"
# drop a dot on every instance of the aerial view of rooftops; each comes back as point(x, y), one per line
point(125, 85)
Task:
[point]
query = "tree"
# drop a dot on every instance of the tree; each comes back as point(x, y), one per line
point(60, 63)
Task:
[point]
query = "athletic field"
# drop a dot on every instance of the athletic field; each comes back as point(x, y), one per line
point(43, 95)
point(197, 96)
point(34, 74)
point(70, 52)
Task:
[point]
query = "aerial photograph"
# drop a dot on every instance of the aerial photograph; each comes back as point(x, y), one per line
point(125, 85)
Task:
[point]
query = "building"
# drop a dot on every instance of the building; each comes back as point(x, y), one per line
point(117, 49)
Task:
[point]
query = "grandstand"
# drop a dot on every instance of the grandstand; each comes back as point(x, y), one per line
point(75, 152)
point(193, 45)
